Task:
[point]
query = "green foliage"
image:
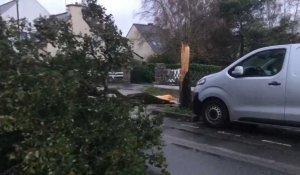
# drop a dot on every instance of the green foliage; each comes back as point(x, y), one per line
point(184, 111)
point(164, 58)
point(116, 51)
point(235, 9)
point(255, 23)
point(7, 141)
point(144, 73)
point(68, 124)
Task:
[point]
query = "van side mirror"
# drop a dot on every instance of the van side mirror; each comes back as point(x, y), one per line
point(238, 71)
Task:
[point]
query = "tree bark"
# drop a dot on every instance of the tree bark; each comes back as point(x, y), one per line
point(242, 40)
point(242, 46)
point(185, 89)
point(185, 92)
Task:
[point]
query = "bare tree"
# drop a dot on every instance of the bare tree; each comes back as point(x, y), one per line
point(176, 18)
point(218, 31)
point(292, 8)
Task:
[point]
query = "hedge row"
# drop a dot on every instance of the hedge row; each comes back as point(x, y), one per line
point(143, 73)
point(146, 73)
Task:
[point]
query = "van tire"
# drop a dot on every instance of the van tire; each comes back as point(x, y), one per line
point(215, 113)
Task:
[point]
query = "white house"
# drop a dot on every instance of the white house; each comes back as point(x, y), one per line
point(29, 9)
point(145, 40)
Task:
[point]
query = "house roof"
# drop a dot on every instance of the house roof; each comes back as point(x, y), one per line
point(66, 16)
point(6, 6)
point(62, 16)
point(151, 33)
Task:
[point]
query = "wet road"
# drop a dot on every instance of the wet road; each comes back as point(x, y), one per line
point(183, 161)
point(194, 149)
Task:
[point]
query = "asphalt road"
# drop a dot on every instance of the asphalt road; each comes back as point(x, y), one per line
point(194, 149)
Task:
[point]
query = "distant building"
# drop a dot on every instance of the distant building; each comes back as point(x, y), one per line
point(146, 41)
point(29, 9)
point(32, 9)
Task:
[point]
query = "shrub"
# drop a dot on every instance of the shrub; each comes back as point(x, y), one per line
point(163, 58)
point(68, 124)
point(7, 141)
point(144, 73)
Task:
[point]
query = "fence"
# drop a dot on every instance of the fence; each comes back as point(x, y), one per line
point(165, 76)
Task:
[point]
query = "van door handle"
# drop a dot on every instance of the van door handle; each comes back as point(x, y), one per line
point(274, 83)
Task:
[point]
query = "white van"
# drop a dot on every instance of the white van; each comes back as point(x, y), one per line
point(262, 87)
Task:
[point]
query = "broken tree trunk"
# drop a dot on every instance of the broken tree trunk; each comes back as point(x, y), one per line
point(185, 89)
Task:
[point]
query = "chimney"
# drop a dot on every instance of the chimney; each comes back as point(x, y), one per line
point(77, 21)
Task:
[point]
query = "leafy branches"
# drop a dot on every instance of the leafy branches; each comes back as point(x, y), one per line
point(68, 124)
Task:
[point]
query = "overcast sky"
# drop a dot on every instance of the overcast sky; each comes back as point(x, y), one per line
point(123, 10)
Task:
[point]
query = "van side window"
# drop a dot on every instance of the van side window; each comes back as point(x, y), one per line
point(262, 64)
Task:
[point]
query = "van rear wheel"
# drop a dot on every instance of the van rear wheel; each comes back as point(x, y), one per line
point(215, 113)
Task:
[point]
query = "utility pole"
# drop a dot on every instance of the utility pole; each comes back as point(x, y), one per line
point(18, 19)
point(284, 8)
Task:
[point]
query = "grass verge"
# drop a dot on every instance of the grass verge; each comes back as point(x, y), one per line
point(183, 111)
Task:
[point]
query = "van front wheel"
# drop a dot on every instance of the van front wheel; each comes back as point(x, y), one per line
point(215, 113)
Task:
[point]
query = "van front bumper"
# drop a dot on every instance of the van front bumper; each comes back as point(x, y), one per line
point(197, 105)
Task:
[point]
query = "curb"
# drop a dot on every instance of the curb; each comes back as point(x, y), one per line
point(218, 151)
point(177, 116)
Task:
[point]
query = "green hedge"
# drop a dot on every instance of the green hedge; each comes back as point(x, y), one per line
point(7, 142)
point(143, 74)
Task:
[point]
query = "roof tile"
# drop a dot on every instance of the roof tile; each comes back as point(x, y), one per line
point(6, 6)
point(151, 33)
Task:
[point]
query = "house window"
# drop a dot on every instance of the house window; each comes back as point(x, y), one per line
point(156, 44)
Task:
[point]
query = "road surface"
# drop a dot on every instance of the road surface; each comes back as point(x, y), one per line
point(194, 149)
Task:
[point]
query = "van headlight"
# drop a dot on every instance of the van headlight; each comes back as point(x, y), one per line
point(201, 81)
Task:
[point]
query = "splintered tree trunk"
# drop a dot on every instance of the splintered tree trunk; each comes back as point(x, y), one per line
point(185, 89)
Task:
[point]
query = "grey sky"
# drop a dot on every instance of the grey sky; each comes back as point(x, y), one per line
point(123, 10)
